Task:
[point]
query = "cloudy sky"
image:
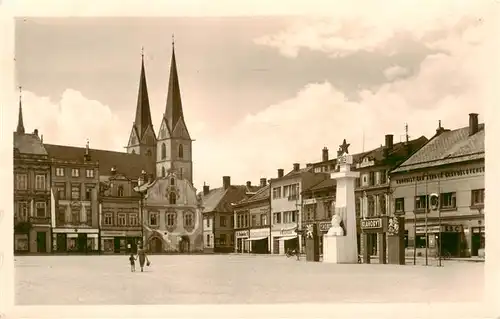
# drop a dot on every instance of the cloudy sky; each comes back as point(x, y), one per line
point(259, 93)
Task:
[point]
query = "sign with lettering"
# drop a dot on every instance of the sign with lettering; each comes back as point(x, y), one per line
point(288, 232)
point(324, 226)
point(371, 223)
point(263, 232)
point(242, 234)
point(430, 229)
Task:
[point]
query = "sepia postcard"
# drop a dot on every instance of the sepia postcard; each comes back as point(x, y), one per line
point(248, 159)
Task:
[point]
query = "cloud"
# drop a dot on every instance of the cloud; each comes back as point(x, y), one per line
point(394, 72)
point(350, 30)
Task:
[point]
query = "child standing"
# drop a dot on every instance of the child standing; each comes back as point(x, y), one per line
point(132, 262)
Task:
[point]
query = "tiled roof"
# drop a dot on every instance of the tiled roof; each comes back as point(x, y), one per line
point(449, 147)
point(29, 144)
point(130, 165)
point(220, 200)
point(261, 194)
point(399, 150)
point(327, 183)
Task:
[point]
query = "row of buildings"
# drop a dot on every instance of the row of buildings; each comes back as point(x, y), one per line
point(395, 179)
point(81, 200)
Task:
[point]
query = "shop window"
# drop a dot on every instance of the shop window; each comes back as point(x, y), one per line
point(21, 242)
point(420, 241)
point(222, 239)
point(109, 245)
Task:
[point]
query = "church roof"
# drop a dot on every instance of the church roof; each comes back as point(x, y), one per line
point(130, 165)
point(143, 111)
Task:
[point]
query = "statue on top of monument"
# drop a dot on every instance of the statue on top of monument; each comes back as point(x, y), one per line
point(336, 228)
point(343, 148)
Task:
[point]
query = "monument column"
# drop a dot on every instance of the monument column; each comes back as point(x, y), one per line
point(340, 243)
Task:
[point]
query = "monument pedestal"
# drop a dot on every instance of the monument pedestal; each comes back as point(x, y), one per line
point(312, 243)
point(396, 241)
point(339, 250)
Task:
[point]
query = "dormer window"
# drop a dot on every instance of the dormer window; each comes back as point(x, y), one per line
point(120, 191)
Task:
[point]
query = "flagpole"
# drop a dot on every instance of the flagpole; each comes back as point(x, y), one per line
point(415, 227)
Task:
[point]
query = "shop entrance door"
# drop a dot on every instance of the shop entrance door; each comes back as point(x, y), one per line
point(41, 242)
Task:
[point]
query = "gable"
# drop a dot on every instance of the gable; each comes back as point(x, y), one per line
point(164, 132)
point(133, 139)
point(149, 137)
point(180, 130)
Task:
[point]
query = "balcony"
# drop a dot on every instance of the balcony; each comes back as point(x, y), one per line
point(40, 220)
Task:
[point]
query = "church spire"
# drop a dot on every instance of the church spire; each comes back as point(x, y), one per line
point(143, 112)
point(20, 123)
point(173, 109)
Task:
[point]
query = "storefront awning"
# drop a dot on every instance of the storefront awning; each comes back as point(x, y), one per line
point(258, 238)
point(288, 237)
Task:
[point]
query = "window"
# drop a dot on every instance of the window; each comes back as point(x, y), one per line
point(40, 182)
point(61, 190)
point(163, 172)
point(120, 191)
point(208, 241)
point(59, 171)
point(263, 219)
point(382, 204)
point(75, 192)
point(88, 192)
point(89, 173)
point(88, 213)
point(286, 190)
point(208, 222)
point(21, 181)
point(245, 220)
point(477, 197)
point(163, 151)
point(383, 177)
point(75, 215)
point(358, 206)
point(448, 200)
point(371, 206)
point(223, 221)
point(172, 181)
point(420, 203)
point(289, 217)
point(75, 172)
point(188, 220)
point(358, 182)
point(328, 208)
point(153, 219)
point(122, 219)
point(276, 192)
point(40, 209)
point(222, 239)
point(133, 219)
point(181, 151)
point(372, 178)
point(277, 218)
point(254, 221)
point(399, 204)
point(108, 219)
point(22, 211)
point(309, 210)
point(172, 197)
point(61, 215)
point(170, 219)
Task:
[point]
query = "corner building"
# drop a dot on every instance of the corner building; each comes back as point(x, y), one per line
point(450, 164)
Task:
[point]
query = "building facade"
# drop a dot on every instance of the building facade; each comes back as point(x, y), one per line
point(451, 165)
point(32, 220)
point(75, 188)
point(252, 226)
point(287, 207)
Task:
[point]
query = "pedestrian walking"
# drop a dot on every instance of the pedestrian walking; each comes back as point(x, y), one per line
point(141, 254)
point(132, 262)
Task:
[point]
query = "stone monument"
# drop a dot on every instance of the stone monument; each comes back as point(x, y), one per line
point(340, 243)
point(312, 242)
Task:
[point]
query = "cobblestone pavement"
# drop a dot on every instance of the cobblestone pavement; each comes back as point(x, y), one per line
point(105, 280)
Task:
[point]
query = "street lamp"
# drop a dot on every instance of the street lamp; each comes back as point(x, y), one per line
point(142, 192)
point(434, 205)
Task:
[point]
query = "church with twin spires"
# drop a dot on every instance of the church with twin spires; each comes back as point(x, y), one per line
point(172, 210)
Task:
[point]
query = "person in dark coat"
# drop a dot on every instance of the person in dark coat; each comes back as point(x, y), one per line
point(141, 254)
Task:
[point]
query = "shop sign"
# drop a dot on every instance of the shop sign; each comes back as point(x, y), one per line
point(242, 234)
point(324, 227)
point(477, 230)
point(288, 232)
point(259, 233)
point(430, 229)
point(372, 223)
point(453, 228)
point(113, 233)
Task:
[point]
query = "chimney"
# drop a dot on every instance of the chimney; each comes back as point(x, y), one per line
point(296, 167)
point(280, 173)
point(389, 140)
point(41, 138)
point(473, 124)
point(249, 184)
point(226, 181)
point(263, 182)
point(36, 132)
point(87, 155)
point(113, 170)
point(206, 189)
point(325, 154)
point(440, 129)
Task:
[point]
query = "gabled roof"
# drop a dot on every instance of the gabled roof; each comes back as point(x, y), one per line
point(29, 144)
point(143, 112)
point(130, 165)
point(399, 150)
point(327, 183)
point(220, 199)
point(449, 147)
point(261, 194)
